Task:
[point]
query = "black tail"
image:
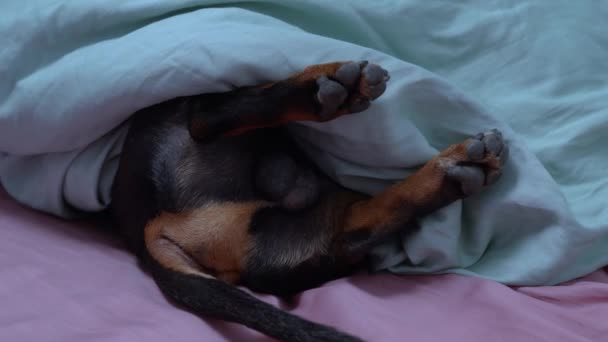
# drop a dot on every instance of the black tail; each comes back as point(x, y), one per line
point(221, 300)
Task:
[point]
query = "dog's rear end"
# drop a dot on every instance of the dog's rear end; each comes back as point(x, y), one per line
point(210, 196)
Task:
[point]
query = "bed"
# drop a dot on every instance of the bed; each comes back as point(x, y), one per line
point(70, 281)
point(524, 260)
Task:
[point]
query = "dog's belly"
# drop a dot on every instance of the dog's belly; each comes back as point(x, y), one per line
point(219, 171)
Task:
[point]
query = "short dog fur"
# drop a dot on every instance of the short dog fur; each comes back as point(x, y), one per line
point(211, 193)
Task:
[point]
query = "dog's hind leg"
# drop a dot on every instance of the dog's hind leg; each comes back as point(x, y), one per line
point(319, 93)
point(334, 236)
point(459, 171)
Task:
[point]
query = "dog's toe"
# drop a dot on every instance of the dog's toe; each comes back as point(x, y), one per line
point(349, 73)
point(331, 96)
point(471, 178)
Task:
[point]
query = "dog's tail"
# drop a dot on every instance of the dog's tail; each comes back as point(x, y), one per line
point(220, 300)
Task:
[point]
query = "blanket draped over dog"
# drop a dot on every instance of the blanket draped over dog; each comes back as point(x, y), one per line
point(71, 73)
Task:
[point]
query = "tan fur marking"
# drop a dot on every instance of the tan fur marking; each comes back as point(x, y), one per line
point(295, 114)
point(211, 239)
point(416, 192)
point(315, 71)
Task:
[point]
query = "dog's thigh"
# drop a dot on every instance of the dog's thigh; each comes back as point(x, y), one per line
point(212, 240)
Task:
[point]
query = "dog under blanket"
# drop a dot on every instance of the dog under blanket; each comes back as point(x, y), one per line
point(71, 73)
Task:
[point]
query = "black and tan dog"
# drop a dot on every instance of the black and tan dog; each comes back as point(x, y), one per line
point(210, 194)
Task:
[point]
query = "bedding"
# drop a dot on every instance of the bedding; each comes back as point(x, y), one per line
point(71, 73)
point(66, 282)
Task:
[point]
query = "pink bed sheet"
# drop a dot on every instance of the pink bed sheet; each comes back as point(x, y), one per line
point(65, 282)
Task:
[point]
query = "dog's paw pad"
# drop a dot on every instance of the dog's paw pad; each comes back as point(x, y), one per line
point(331, 96)
point(487, 143)
point(477, 162)
point(359, 105)
point(476, 149)
point(372, 84)
point(374, 80)
point(471, 178)
point(351, 89)
point(349, 73)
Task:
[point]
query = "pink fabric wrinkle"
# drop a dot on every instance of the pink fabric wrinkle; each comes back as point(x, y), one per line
point(68, 281)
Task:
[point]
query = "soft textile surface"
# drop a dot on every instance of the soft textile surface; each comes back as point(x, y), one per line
point(60, 282)
point(72, 71)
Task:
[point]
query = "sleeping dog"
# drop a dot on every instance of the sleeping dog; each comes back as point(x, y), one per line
point(211, 193)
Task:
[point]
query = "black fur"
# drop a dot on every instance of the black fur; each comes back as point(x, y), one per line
point(194, 151)
point(187, 152)
point(220, 300)
point(158, 150)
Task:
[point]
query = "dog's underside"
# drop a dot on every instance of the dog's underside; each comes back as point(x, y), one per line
point(211, 193)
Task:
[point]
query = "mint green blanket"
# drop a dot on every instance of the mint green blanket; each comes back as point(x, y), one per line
point(71, 73)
